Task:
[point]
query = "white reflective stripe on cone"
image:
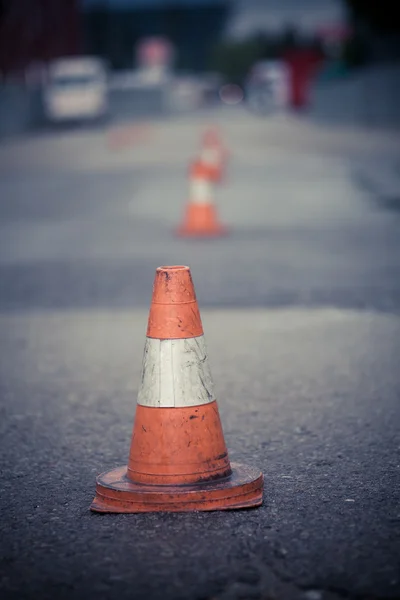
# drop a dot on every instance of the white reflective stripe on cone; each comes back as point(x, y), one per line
point(200, 190)
point(175, 373)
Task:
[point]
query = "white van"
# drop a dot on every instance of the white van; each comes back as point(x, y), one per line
point(76, 89)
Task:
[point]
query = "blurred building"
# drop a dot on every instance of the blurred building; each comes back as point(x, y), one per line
point(112, 28)
point(35, 31)
point(307, 16)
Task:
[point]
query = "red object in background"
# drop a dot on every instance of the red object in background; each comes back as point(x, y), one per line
point(154, 52)
point(303, 64)
point(37, 31)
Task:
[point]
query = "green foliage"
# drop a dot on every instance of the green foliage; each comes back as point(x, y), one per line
point(234, 59)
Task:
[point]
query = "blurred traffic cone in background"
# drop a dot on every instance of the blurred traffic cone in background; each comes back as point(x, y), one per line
point(200, 218)
point(178, 459)
point(213, 154)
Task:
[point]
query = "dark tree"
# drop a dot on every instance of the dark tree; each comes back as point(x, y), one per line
point(382, 15)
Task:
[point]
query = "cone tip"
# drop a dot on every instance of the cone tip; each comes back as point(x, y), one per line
point(173, 285)
point(167, 268)
point(174, 312)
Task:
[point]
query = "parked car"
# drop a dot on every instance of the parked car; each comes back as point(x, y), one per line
point(76, 89)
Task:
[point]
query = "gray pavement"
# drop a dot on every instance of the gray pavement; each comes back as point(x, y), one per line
point(300, 308)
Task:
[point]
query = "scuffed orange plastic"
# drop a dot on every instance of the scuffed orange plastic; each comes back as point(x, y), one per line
point(177, 445)
point(174, 313)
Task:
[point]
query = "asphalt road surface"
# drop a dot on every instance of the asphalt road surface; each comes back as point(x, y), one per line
point(300, 307)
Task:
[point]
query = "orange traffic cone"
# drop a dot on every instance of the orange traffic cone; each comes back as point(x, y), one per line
point(200, 219)
point(178, 459)
point(213, 154)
